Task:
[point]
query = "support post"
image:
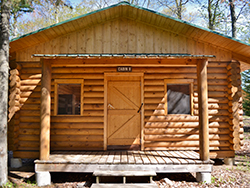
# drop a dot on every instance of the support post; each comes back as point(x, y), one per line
point(203, 109)
point(45, 110)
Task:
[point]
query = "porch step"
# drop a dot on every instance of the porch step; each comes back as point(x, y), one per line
point(116, 185)
point(124, 174)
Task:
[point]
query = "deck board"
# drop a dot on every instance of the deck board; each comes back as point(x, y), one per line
point(159, 161)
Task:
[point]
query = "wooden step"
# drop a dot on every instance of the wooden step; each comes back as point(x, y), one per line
point(116, 185)
point(124, 173)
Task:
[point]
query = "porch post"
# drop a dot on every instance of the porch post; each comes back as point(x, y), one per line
point(203, 109)
point(45, 110)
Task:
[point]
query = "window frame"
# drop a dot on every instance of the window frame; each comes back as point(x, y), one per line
point(68, 81)
point(179, 81)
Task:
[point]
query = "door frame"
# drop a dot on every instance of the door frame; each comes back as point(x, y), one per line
point(106, 76)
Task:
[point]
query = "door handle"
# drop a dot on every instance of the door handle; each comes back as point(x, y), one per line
point(140, 108)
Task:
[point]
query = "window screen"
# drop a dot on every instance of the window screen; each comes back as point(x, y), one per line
point(178, 99)
point(69, 99)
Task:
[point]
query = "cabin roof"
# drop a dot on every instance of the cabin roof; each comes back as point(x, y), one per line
point(239, 49)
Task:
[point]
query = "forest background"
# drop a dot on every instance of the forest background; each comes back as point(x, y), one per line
point(217, 15)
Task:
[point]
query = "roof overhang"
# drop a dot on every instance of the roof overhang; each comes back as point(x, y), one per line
point(131, 55)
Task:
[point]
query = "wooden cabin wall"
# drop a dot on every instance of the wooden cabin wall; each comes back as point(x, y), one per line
point(161, 132)
point(124, 36)
point(181, 131)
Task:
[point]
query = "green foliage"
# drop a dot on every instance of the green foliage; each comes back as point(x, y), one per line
point(9, 185)
point(246, 91)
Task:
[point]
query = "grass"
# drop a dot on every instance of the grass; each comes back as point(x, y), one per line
point(9, 184)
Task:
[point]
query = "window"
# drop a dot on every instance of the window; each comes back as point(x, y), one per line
point(68, 97)
point(178, 96)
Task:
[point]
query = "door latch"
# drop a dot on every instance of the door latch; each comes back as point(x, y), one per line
point(140, 108)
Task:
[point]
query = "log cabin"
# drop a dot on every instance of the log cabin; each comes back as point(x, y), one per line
point(129, 86)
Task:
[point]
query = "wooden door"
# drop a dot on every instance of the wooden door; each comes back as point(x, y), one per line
point(123, 107)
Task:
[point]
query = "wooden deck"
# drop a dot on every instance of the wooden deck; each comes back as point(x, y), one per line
point(158, 161)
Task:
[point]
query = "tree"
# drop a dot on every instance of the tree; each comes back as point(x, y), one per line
point(177, 7)
point(18, 7)
point(44, 16)
point(4, 77)
point(246, 91)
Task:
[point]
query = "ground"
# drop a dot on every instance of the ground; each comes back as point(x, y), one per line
point(222, 175)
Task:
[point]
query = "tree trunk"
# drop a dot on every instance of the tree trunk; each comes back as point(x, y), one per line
point(4, 74)
point(233, 18)
point(210, 22)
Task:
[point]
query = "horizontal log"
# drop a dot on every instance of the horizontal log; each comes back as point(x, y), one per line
point(30, 76)
point(31, 70)
point(184, 76)
point(31, 82)
point(214, 100)
point(78, 75)
point(77, 149)
point(214, 106)
point(185, 144)
point(212, 88)
point(220, 70)
point(182, 148)
point(93, 106)
point(213, 82)
point(154, 94)
point(215, 94)
point(73, 119)
point(30, 125)
point(30, 112)
point(29, 144)
point(94, 94)
point(30, 119)
point(93, 82)
point(30, 107)
point(217, 64)
point(121, 61)
point(157, 100)
point(88, 100)
point(80, 125)
point(173, 118)
point(196, 112)
point(157, 106)
point(29, 131)
point(76, 132)
point(76, 138)
point(31, 64)
point(93, 88)
point(80, 145)
point(215, 112)
point(154, 82)
point(91, 113)
point(26, 154)
point(221, 154)
point(30, 100)
point(154, 88)
point(181, 137)
point(184, 125)
point(185, 131)
point(33, 94)
point(32, 138)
